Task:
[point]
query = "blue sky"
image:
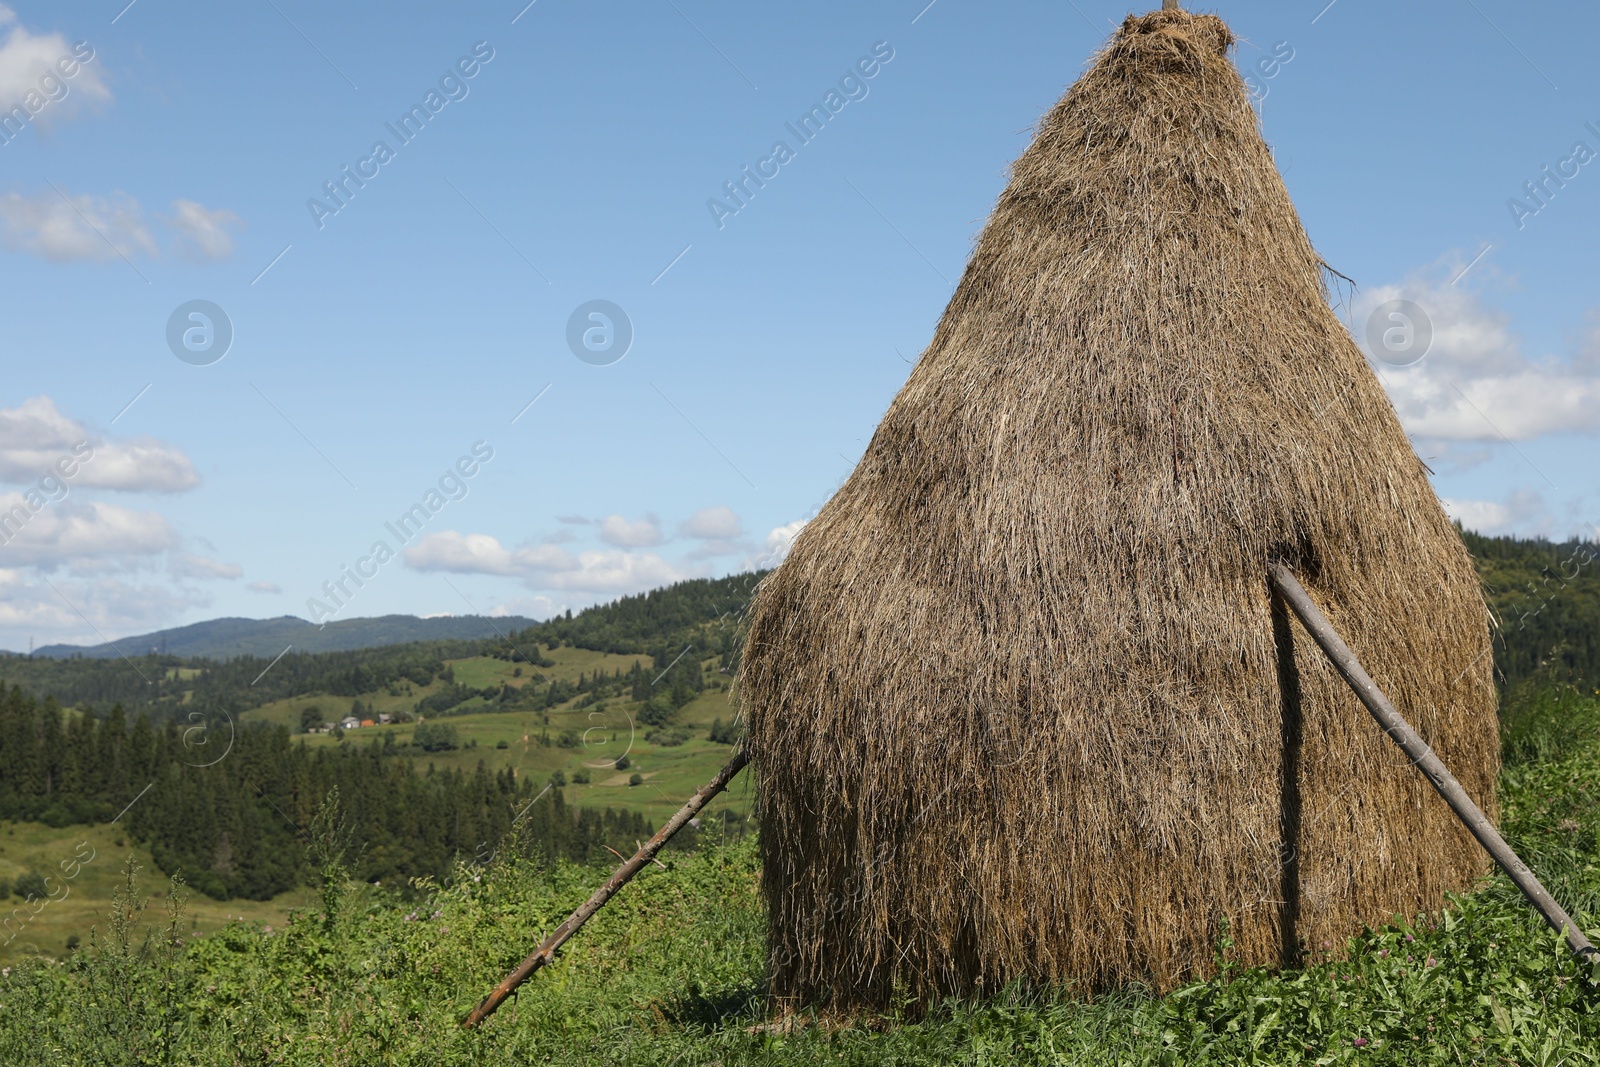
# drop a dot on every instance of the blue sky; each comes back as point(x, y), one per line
point(374, 346)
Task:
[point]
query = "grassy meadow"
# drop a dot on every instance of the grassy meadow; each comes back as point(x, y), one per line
point(93, 857)
point(609, 730)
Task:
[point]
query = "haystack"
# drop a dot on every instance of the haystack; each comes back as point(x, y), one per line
point(1021, 702)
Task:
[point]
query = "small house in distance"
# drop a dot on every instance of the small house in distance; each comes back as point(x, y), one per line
point(1021, 701)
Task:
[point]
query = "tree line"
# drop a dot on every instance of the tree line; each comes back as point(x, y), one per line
point(1545, 597)
point(230, 809)
point(703, 612)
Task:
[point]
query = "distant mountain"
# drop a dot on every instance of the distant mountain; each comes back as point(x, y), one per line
point(227, 638)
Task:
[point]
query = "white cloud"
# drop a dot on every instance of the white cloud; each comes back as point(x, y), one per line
point(202, 231)
point(111, 606)
point(1475, 383)
point(616, 530)
point(55, 534)
point(142, 465)
point(270, 588)
point(462, 554)
point(714, 524)
point(1523, 512)
point(715, 549)
point(1484, 516)
point(32, 69)
point(776, 546)
point(533, 607)
point(545, 566)
point(618, 572)
point(190, 565)
point(68, 228)
point(46, 527)
point(35, 436)
point(719, 532)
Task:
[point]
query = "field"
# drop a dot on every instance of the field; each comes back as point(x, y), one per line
point(94, 856)
point(673, 971)
point(478, 672)
point(670, 773)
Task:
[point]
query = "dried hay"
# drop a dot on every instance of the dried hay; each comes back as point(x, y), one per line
point(1020, 701)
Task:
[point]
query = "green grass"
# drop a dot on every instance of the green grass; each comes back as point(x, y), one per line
point(671, 773)
point(610, 730)
point(478, 672)
point(672, 971)
point(93, 855)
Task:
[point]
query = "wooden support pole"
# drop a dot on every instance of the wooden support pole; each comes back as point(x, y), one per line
point(641, 859)
point(1426, 761)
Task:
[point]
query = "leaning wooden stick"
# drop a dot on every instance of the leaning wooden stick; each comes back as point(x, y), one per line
point(1436, 772)
point(547, 951)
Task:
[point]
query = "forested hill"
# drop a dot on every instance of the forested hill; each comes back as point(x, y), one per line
point(1546, 597)
point(703, 609)
point(228, 761)
point(227, 638)
point(701, 614)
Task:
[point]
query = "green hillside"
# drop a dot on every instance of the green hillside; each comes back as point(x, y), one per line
point(1546, 597)
point(93, 856)
point(673, 760)
point(437, 746)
